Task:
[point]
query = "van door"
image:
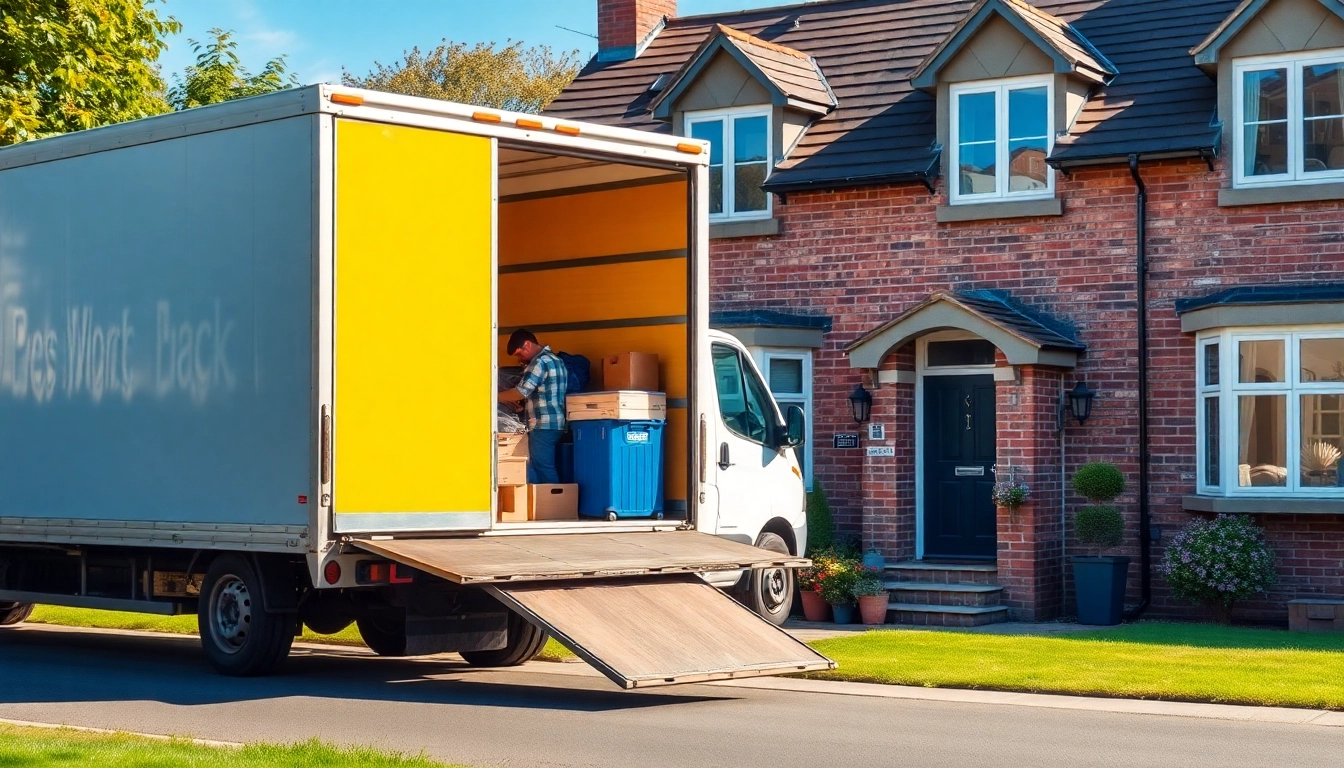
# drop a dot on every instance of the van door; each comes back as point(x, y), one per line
point(747, 465)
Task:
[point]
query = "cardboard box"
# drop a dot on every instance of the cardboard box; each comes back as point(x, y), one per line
point(513, 503)
point(513, 471)
point(626, 405)
point(511, 444)
point(553, 502)
point(630, 370)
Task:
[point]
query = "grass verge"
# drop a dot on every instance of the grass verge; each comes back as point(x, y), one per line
point(186, 625)
point(61, 747)
point(1179, 662)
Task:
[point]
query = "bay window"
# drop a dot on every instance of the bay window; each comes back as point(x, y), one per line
point(1289, 119)
point(739, 160)
point(1270, 413)
point(1000, 137)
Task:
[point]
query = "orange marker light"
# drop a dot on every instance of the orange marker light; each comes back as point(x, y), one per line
point(347, 98)
point(523, 122)
point(690, 149)
point(485, 117)
point(568, 130)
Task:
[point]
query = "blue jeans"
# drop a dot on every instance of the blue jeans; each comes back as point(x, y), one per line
point(541, 455)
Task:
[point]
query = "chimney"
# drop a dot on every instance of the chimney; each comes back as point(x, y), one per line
point(624, 27)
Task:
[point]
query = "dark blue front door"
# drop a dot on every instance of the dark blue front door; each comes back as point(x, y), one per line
point(958, 467)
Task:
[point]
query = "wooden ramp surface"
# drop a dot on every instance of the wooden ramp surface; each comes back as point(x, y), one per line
point(660, 630)
point(544, 557)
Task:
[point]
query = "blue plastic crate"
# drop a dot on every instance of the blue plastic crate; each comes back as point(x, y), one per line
point(618, 466)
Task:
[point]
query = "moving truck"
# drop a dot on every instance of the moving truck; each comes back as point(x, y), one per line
point(248, 360)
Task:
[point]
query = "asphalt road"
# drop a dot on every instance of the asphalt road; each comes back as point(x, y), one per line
point(531, 717)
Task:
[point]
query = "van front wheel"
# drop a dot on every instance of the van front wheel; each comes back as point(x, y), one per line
point(770, 590)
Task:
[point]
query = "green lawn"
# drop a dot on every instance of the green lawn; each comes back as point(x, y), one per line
point(186, 625)
point(1183, 662)
point(59, 748)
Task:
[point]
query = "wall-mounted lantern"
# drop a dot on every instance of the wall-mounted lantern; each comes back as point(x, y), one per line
point(1079, 403)
point(861, 401)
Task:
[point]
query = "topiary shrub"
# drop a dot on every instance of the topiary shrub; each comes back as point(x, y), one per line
point(820, 522)
point(1100, 526)
point(1218, 562)
point(1099, 482)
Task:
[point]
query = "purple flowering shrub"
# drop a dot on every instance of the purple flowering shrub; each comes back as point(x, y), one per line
point(1219, 561)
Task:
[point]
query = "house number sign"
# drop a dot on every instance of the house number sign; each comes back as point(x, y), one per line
point(845, 440)
point(881, 450)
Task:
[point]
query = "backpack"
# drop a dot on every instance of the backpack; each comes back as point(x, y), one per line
point(578, 369)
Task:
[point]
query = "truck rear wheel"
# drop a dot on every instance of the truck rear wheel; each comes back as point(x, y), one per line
point(385, 636)
point(239, 637)
point(770, 590)
point(13, 613)
point(525, 641)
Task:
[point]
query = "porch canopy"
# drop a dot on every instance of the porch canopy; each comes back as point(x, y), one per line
point(1025, 336)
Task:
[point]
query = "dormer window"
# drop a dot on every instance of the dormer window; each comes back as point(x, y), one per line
point(1289, 119)
point(739, 160)
point(1000, 137)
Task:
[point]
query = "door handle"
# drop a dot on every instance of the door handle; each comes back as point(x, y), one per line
point(724, 462)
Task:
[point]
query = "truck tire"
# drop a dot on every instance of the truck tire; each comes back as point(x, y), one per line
point(770, 590)
point(525, 641)
point(239, 637)
point(385, 635)
point(13, 613)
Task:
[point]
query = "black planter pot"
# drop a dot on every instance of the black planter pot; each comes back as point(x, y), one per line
point(1099, 585)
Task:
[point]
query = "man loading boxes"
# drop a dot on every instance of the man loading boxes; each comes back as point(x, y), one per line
point(542, 392)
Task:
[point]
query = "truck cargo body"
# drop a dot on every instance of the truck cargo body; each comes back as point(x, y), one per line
point(263, 338)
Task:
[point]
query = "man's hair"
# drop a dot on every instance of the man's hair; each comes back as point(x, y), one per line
point(518, 338)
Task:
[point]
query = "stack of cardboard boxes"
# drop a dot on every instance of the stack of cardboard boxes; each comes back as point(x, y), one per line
point(520, 501)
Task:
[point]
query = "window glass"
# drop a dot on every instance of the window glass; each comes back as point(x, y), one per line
point(741, 395)
point(750, 156)
point(712, 131)
point(1322, 359)
point(1212, 476)
point(786, 376)
point(1322, 440)
point(958, 353)
point(1323, 118)
point(1210, 365)
point(1028, 138)
point(1265, 122)
point(1263, 440)
point(977, 146)
point(1261, 361)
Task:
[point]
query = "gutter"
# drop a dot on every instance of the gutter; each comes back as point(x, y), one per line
point(1141, 289)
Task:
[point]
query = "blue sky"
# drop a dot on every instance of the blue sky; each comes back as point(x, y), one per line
point(321, 36)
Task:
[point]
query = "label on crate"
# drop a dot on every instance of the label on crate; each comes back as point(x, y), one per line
point(637, 437)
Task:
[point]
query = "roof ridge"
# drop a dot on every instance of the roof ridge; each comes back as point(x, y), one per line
point(738, 34)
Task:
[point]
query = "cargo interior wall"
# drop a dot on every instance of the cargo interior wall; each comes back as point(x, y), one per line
point(598, 271)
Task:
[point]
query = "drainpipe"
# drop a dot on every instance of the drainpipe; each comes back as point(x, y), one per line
point(1141, 288)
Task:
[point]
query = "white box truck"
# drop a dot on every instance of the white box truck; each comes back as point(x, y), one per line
point(248, 359)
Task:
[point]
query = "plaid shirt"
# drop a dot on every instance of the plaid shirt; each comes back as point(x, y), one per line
point(543, 384)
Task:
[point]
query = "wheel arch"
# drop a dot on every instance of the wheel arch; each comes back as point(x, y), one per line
point(781, 528)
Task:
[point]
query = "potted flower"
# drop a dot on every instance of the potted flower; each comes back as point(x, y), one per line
point(809, 585)
point(837, 588)
point(1099, 580)
point(872, 596)
point(1010, 493)
point(1218, 562)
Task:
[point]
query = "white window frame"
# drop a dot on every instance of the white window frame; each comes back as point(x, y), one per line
point(728, 117)
point(1001, 160)
point(762, 357)
point(1228, 390)
point(1294, 64)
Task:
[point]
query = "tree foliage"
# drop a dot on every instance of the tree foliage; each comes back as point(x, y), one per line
point(66, 65)
point(512, 77)
point(218, 75)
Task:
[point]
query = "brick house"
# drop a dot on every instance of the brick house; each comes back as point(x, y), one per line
point(970, 208)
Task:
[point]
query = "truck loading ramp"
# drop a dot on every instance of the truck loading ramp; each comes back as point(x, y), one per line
point(629, 604)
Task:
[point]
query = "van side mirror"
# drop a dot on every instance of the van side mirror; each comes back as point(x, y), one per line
point(795, 426)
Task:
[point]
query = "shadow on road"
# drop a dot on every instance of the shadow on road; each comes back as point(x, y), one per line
point(42, 666)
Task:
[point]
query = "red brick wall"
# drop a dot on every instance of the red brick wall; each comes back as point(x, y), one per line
point(862, 256)
point(622, 23)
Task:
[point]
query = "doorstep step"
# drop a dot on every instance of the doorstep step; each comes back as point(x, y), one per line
point(944, 573)
point(933, 593)
point(946, 615)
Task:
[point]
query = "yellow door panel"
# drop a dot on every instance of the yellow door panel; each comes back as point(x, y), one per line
point(414, 397)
